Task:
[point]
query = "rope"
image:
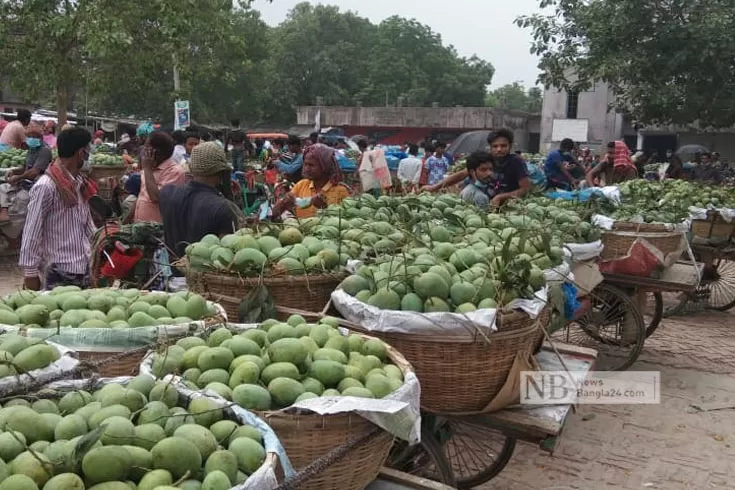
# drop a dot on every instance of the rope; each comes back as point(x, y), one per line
point(321, 464)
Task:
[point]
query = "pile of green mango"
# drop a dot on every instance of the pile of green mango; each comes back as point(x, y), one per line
point(279, 364)
point(140, 436)
point(70, 306)
point(20, 354)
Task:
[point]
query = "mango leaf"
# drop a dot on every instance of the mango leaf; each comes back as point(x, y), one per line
point(257, 306)
point(86, 443)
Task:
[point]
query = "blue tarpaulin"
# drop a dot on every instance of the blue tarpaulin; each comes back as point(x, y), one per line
point(346, 164)
point(582, 196)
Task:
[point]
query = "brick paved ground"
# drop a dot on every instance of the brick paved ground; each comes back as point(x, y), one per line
point(666, 446)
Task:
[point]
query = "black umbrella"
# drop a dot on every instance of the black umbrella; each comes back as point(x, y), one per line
point(686, 152)
point(467, 143)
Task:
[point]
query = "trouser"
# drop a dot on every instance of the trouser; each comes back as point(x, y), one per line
point(238, 159)
point(57, 277)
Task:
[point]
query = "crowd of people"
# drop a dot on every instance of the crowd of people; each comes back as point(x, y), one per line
point(184, 181)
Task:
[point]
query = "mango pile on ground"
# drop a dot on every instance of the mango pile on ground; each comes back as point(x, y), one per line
point(279, 364)
point(20, 354)
point(669, 201)
point(69, 306)
point(136, 436)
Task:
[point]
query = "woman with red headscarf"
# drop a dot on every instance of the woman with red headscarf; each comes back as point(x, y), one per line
point(321, 186)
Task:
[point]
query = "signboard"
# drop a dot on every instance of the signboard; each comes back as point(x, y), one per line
point(182, 114)
point(575, 129)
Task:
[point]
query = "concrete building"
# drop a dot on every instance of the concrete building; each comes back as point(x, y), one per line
point(396, 125)
point(585, 117)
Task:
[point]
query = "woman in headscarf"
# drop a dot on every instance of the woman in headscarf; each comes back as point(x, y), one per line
point(321, 186)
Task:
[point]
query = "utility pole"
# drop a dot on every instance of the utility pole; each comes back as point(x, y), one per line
point(177, 81)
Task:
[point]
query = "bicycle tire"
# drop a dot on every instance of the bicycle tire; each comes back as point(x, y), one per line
point(658, 314)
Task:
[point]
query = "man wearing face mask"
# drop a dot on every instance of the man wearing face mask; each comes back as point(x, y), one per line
point(59, 226)
point(38, 159)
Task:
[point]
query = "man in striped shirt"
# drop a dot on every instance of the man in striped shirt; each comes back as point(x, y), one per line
point(58, 230)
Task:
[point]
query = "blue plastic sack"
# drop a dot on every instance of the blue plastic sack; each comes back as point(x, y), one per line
point(582, 196)
point(537, 176)
point(346, 164)
point(571, 303)
point(392, 162)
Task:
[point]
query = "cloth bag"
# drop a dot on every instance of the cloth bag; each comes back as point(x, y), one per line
point(374, 172)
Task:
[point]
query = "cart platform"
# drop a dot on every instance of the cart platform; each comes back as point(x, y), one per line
point(539, 424)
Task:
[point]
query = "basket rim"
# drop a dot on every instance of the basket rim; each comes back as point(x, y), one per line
point(643, 234)
point(234, 279)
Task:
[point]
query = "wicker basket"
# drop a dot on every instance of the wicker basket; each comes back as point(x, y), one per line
point(123, 366)
point(98, 172)
point(307, 437)
point(714, 228)
point(617, 243)
point(307, 293)
point(460, 375)
point(640, 227)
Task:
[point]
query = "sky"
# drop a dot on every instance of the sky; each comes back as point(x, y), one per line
point(484, 28)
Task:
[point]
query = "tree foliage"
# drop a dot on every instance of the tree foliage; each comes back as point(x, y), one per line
point(513, 96)
point(319, 51)
point(117, 57)
point(667, 61)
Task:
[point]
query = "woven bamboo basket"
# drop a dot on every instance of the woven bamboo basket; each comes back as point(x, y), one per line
point(307, 437)
point(98, 172)
point(617, 243)
point(714, 228)
point(459, 374)
point(307, 293)
point(640, 227)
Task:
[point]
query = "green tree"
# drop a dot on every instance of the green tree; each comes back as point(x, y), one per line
point(667, 62)
point(513, 96)
point(319, 51)
point(409, 60)
point(113, 48)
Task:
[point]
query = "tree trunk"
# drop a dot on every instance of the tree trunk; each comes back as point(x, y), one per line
point(62, 101)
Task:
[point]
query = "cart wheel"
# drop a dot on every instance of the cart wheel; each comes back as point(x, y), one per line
point(720, 284)
point(476, 454)
point(612, 324)
point(425, 459)
point(654, 312)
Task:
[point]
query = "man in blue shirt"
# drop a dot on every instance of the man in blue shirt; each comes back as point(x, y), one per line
point(557, 175)
point(437, 164)
point(291, 161)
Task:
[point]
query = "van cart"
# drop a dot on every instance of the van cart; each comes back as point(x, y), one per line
point(716, 291)
point(465, 451)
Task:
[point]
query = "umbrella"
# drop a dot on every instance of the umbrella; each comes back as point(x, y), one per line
point(467, 143)
point(686, 152)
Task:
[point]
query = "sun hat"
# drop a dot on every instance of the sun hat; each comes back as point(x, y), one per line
point(208, 159)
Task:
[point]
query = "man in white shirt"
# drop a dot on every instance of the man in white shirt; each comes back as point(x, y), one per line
point(409, 169)
point(179, 155)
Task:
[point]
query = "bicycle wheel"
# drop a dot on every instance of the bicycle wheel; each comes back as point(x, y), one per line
point(720, 285)
point(654, 312)
point(612, 324)
point(476, 454)
point(425, 459)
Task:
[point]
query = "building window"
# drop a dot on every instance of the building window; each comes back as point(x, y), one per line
point(572, 104)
